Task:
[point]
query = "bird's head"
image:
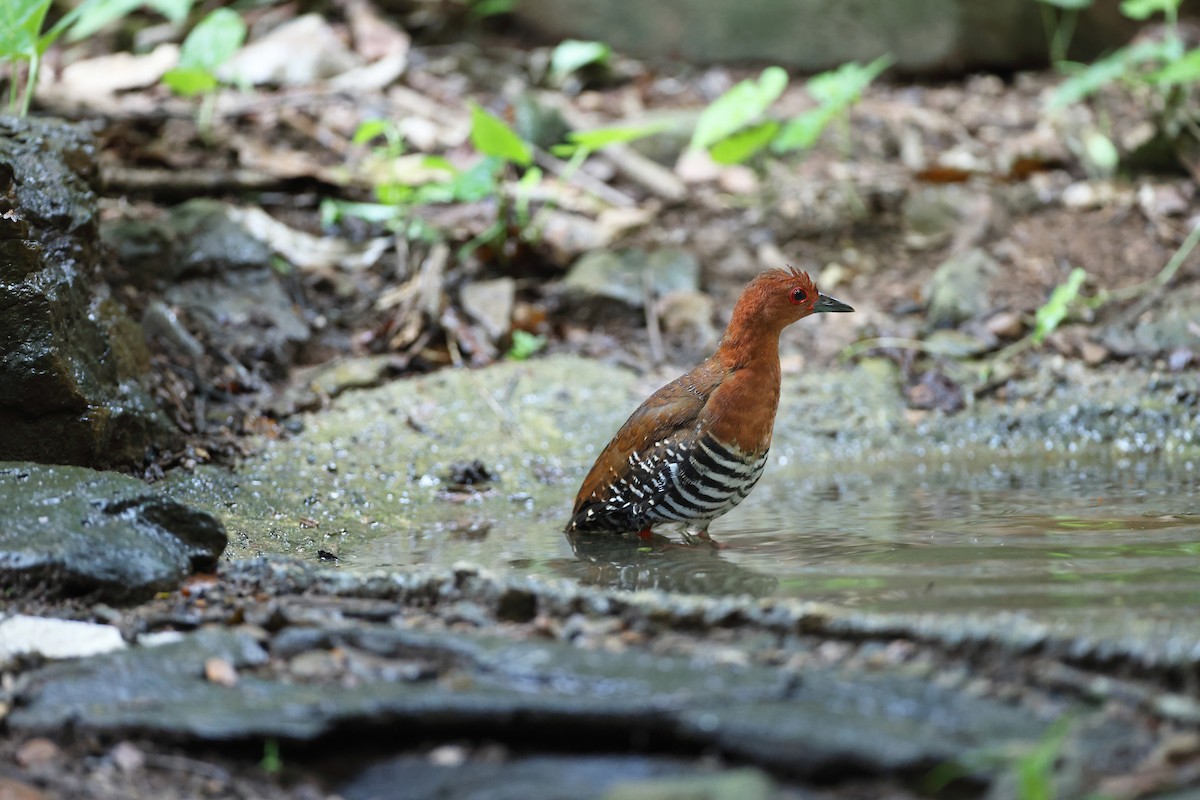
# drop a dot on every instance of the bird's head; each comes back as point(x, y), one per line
point(779, 297)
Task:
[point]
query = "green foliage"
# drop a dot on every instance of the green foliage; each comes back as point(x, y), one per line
point(210, 44)
point(835, 92)
point(1144, 9)
point(1183, 70)
point(737, 147)
point(1125, 64)
point(20, 42)
point(1059, 18)
point(581, 144)
point(1158, 63)
point(98, 14)
point(738, 107)
point(272, 762)
point(490, 8)
point(733, 128)
point(524, 345)
point(1054, 311)
point(414, 181)
point(572, 55)
point(23, 42)
point(491, 136)
point(1035, 770)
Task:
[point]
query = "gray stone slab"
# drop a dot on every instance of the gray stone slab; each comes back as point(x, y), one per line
point(73, 531)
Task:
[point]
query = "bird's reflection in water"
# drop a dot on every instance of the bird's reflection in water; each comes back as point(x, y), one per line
point(627, 562)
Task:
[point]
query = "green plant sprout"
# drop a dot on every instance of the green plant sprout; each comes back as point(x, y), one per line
point(375, 128)
point(1157, 63)
point(581, 144)
point(272, 761)
point(490, 8)
point(1051, 314)
point(835, 92)
point(524, 345)
point(22, 41)
point(210, 44)
point(572, 55)
point(734, 127)
point(1032, 770)
point(432, 180)
point(1060, 26)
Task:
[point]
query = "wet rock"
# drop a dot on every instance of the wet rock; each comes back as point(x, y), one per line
point(827, 721)
point(1172, 323)
point(469, 473)
point(246, 314)
point(313, 386)
point(219, 275)
point(605, 282)
point(960, 288)
point(73, 531)
point(70, 358)
point(196, 238)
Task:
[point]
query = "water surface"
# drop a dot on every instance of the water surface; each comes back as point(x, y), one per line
point(1094, 534)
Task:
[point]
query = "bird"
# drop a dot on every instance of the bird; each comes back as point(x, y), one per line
point(696, 447)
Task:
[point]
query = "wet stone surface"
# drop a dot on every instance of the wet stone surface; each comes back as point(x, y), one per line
point(314, 659)
point(73, 531)
point(70, 357)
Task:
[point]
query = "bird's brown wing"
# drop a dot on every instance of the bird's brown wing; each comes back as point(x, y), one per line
point(673, 409)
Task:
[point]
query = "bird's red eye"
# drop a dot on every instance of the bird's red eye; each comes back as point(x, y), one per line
point(799, 296)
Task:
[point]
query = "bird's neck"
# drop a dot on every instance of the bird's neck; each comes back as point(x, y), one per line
point(748, 397)
point(749, 347)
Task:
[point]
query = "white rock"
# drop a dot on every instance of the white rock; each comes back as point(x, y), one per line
point(55, 638)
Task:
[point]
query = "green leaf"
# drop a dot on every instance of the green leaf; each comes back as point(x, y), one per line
point(573, 54)
point(492, 137)
point(1184, 70)
point(742, 145)
point(1049, 316)
point(1069, 5)
point(479, 182)
point(525, 344)
point(842, 86)
point(210, 44)
point(1122, 63)
point(371, 129)
point(190, 81)
point(333, 210)
point(20, 24)
point(488, 8)
point(738, 107)
point(93, 15)
point(96, 14)
point(213, 41)
point(1144, 9)
point(802, 131)
point(599, 138)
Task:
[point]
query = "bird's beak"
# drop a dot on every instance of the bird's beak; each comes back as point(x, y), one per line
point(827, 303)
